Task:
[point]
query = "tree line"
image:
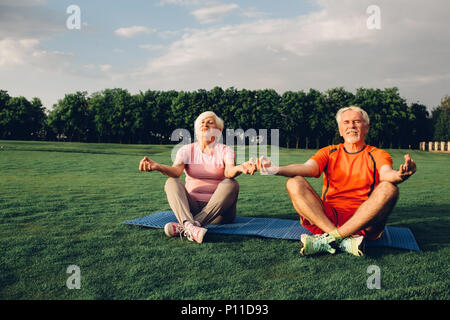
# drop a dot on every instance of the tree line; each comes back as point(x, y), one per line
point(305, 119)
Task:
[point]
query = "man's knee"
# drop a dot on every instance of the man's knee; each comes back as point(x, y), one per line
point(389, 190)
point(296, 184)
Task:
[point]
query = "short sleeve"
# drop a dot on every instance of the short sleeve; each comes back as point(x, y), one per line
point(228, 155)
point(182, 155)
point(321, 157)
point(382, 158)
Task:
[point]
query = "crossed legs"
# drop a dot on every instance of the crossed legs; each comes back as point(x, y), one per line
point(370, 216)
point(221, 208)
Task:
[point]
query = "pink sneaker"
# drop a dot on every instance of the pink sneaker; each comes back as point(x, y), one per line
point(194, 233)
point(173, 229)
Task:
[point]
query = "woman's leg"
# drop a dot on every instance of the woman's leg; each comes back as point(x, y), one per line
point(181, 203)
point(221, 208)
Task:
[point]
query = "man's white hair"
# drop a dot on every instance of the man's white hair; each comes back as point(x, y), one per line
point(354, 108)
point(206, 114)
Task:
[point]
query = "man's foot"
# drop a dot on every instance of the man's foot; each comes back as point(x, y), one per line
point(194, 233)
point(173, 229)
point(317, 243)
point(353, 245)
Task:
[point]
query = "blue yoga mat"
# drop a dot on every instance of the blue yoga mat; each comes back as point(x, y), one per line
point(278, 229)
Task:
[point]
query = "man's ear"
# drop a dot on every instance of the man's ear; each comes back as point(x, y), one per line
point(367, 128)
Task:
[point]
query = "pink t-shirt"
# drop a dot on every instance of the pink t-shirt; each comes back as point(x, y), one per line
point(203, 171)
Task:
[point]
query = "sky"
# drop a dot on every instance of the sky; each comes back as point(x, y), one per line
point(199, 44)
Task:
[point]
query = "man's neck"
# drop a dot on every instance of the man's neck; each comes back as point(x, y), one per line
point(354, 147)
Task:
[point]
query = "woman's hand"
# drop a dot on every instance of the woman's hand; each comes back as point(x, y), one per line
point(147, 164)
point(249, 167)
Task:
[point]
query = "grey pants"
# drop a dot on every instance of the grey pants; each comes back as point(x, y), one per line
point(221, 208)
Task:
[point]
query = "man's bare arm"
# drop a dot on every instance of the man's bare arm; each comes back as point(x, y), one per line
point(308, 169)
point(405, 171)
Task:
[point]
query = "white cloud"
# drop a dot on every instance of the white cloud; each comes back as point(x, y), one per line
point(253, 13)
point(130, 32)
point(213, 14)
point(28, 52)
point(23, 3)
point(105, 67)
point(182, 2)
point(168, 34)
point(324, 49)
point(20, 19)
point(151, 47)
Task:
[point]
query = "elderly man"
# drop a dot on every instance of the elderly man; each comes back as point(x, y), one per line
point(359, 189)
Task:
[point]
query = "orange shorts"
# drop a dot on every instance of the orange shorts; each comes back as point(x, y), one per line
point(338, 218)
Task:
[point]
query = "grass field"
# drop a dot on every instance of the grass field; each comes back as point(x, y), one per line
point(64, 204)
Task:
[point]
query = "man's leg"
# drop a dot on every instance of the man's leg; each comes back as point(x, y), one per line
point(373, 213)
point(308, 204)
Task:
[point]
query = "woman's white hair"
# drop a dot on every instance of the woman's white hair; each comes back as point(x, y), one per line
point(207, 114)
point(354, 108)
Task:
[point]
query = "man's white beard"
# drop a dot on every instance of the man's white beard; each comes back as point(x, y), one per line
point(352, 138)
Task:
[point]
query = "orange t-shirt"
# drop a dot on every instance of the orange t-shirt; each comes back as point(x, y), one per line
point(349, 178)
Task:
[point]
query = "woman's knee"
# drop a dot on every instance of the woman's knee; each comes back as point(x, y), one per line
point(170, 183)
point(231, 184)
point(225, 218)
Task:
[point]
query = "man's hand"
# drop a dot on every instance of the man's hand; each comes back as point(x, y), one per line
point(407, 169)
point(265, 166)
point(147, 164)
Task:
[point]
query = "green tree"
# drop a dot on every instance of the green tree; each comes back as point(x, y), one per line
point(228, 106)
point(20, 118)
point(388, 114)
point(294, 124)
point(114, 115)
point(184, 110)
point(70, 117)
point(316, 114)
point(441, 120)
point(335, 99)
point(419, 128)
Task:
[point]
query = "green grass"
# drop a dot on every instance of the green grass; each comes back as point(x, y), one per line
point(65, 203)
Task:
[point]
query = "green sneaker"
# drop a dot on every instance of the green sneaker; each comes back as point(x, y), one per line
point(353, 245)
point(317, 243)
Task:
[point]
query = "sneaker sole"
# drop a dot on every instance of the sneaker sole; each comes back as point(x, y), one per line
point(167, 231)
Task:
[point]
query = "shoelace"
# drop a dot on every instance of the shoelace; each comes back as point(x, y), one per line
point(180, 229)
point(351, 245)
point(193, 228)
point(189, 234)
point(321, 242)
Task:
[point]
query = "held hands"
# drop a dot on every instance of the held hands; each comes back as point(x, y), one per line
point(407, 169)
point(249, 167)
point(147, 164)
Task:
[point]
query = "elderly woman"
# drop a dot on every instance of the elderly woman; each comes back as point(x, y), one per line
point(210, 193)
